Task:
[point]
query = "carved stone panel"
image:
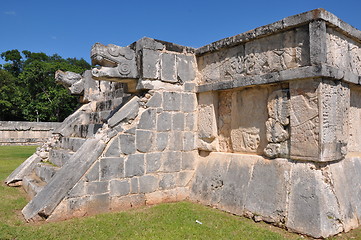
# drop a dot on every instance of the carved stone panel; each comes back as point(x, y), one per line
point(277, 129)
point(249, 114)
point(304, 119)
point(224, 121)
point(343, 52)
point(265, 55)
point(354, 143)
point(335, 102)
point(207, 121)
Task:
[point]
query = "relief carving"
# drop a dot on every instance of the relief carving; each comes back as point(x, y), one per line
point(277, 124)
point(343, 52)
point(305, 120)
point(261, 56)
point(246, 139)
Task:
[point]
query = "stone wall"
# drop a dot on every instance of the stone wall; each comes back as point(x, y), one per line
point(25, 133)
point(263, 124)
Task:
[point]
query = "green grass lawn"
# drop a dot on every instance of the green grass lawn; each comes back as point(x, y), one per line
point(164, 221)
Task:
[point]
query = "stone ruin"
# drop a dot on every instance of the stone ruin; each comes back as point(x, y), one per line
point(265, 124)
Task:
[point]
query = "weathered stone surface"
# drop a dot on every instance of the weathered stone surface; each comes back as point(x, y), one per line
point(189, 102)
point(188, 141)
point(190, 122)
point(24, 169)
point(275, 132)
point(148, 120)
point(153, 162)
point(172, 162)
point(354, 142)
point(304, 119)
point(47, 200)
point(248, 130)
point(155, 100)
point(268, 179)
point(167, 181)
point(184, 178)
point(268, 54)
point(151, 64)
point(162, 141)
point(176, 141)
point(78, 190)
point(134, 185)
point(93, 174)
point(127, 143)
point(207, 121)
point(148, 183)
point(45, 171)
point(189, 160)
point(313, 207)
point(164, 121)
point(168, 70)
point(186, 68)
point(127, 202)
point(119, 187)
point(346, 182)
point(171, 101)
point(107, 56)
point(134, 165)
point(127, 112)
point(178, 121)
point(113, 149)
point(111, 167)
point(144, 140)
point(335, 100)
point(95, 188)
point(288, 90)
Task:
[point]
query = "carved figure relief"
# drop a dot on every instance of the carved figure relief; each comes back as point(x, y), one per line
point(304, 116)
point(277, 129)
point(343, 52)
point(224, 121)
point(270, 54)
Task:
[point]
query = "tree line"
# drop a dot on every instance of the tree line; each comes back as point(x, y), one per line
point(28, 91)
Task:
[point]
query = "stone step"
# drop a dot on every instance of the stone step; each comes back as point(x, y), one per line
point(32, 184)
point(45, 171)
point(71, 143)
point(59, 157)
point(85, 130)
point(97, 117)
point(108, 104)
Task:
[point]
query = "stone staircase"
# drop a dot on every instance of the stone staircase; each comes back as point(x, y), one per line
point(83, 128)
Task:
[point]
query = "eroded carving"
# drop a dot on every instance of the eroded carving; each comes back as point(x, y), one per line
point(343, 52)
point(304, 116)
point(270, 54)
point(116, 62)
point(224, 121)
point(277, 124)
point(70, 80)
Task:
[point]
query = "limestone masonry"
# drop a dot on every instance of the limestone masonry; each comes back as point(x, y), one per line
point(25, 133)
point(265, 124)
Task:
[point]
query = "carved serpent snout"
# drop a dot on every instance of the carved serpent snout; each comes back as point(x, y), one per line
point(110, 55)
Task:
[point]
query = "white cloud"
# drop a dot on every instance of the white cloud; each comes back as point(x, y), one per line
point(13, 13)
point(53, 37)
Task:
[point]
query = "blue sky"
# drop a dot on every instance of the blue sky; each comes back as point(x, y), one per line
point(70, 28)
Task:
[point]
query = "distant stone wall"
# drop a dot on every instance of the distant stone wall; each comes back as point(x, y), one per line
point(25, 133)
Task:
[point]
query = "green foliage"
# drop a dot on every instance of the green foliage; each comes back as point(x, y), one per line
point(28, 90)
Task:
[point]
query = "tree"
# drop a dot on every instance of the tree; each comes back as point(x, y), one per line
point(14, 57)
point(37, 96)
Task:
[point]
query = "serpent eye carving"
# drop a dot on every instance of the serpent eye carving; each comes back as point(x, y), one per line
point(113, 50)
point(124, 69)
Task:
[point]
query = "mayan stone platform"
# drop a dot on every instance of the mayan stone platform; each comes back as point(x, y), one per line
point(265, 124)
